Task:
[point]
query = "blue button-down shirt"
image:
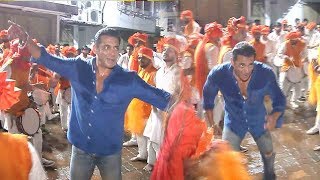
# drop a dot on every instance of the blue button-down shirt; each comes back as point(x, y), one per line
point(244, 115)
point(96, 122)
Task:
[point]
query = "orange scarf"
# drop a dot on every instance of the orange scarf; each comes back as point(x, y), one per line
point(201, 65)
point(260, 50)
point(294, 52)
point(138, 111)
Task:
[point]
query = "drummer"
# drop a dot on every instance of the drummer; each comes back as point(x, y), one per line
point(63, 85)
point(293, 52)
point(20, 68)
point(40, 76)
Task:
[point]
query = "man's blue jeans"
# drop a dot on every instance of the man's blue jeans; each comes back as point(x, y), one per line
point(82, 165)
point(265, 146)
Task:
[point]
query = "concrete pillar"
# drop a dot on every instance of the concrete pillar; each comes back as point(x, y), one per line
point(267, 12)
point(75, 36)
point(58, 29)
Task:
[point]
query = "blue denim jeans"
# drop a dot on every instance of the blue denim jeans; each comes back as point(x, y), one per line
point(82, 165)
point(265, 146)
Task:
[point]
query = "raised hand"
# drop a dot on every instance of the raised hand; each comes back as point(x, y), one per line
point(16, 31)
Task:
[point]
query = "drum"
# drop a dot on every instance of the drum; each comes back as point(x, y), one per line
point(21, 105)
point(67, 95)
point(40, 97)
point(29, 122)
point(295, 74)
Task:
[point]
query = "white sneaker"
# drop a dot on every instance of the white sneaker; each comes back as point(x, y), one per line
point(313, 130)
point(130, 143)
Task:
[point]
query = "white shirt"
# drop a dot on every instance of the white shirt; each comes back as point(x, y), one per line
point(83, 58)
point(167, 80)
point(279, 39)
point(123, 61)
point(212, 54)
point(271, 49)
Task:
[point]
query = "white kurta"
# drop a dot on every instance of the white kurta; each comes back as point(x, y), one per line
point(36, 172)
point(123, 61)
point(167, 81)
point(212, 54)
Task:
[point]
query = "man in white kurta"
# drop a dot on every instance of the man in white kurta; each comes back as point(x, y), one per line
point(167, 78)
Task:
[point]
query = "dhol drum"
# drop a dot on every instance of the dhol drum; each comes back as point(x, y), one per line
point(295, 74)
point(29, 122)
point(40, 97)
point(67, 95)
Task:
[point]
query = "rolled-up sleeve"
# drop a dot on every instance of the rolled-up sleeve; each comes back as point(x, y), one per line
point(210, 90)
point(150, 94)
point(65, 67)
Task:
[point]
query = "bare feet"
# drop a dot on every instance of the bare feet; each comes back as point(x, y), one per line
point(148, 167)
point(137, 159)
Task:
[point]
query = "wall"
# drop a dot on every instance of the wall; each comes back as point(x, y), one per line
point(113, 18)
point(206, 11)
point(40, 26)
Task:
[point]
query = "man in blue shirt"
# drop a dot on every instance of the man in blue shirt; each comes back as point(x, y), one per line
point(101, 92)
point(244, 84)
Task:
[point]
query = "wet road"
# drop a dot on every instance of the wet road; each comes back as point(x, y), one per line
point(295, 158)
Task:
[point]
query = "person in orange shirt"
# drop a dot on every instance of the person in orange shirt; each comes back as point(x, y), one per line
point(138, 111)
point(189, 25)
point(137, 40)
point(4, 45)
point(271, 49)
point(41, 76)
point(206, 53)
point(293, 53)
point(258, 45)
point(236, 32)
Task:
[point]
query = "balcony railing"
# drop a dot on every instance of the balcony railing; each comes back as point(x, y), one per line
point(131, 9)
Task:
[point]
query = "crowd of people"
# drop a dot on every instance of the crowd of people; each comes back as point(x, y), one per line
point(201, 82)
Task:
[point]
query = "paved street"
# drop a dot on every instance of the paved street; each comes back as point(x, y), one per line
point(295, 158)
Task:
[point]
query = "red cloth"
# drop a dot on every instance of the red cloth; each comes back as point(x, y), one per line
point(9, 95)
point(293, 35)
point(201, 66)
point(147, 52)
point(181, 139)
point(138, 36)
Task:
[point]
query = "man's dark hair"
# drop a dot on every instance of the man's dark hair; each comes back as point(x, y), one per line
point(85, 48)
point(106, 32)
point(243, 48)
point(278, 24)
point(257, 21)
